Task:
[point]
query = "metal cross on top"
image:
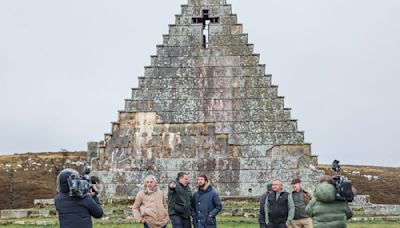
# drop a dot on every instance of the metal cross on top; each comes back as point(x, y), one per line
point(206, 21)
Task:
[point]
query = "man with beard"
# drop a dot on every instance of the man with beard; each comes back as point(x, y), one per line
point(150, 207)
point(206, 205)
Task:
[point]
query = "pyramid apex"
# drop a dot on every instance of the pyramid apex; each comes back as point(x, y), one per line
point(206, 2)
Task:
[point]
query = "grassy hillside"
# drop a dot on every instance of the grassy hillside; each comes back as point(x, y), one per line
point(25, 177)
point(381, 183)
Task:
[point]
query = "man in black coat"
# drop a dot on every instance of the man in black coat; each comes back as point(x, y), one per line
point(180, 201)
point(74, 211)
point(261, 214)
point(206, 205)
point(279, 207)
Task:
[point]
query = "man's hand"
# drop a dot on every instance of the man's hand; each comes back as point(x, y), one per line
point(209, 219)
point(172, 185)
point(142, 221)
point(93, 190)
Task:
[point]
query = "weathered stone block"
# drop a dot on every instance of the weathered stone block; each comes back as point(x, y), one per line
point(14, 214)
point(43, 202)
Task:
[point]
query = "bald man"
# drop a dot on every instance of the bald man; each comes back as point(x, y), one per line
point(279, 207)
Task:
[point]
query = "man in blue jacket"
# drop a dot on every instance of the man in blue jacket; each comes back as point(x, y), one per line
point(74, 211)
point(206, 205)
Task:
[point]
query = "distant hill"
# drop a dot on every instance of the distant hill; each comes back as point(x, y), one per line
point(25, 177)
point(381, 183)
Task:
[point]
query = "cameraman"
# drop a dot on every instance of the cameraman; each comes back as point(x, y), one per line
point(74, 211)
point(325, 210)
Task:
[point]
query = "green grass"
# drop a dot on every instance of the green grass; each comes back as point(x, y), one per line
point(223, 222)
point(237, 224)
point(374, 225)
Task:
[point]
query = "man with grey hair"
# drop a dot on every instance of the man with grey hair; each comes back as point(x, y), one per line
point(279, 207)
point(150, 206)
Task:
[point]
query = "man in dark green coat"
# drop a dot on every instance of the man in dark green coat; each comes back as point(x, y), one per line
point(180, 201)
point(325, 210)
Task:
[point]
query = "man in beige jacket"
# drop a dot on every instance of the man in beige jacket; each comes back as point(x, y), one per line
point(150, 206)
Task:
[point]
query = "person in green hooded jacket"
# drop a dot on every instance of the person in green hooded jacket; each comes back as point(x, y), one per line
point(325, 210)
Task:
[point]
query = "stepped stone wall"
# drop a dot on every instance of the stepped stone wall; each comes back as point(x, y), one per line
point(204, 105)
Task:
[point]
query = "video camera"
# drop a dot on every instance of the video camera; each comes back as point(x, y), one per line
point(80, 185)
point(344, 189)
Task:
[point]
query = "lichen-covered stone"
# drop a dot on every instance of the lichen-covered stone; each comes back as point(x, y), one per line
point(205, 106)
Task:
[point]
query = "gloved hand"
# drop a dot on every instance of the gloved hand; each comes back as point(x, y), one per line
point(210, 220)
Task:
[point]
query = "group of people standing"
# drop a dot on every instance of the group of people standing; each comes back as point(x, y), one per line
point(278, 209)
point(301, 209)
point(151, 207)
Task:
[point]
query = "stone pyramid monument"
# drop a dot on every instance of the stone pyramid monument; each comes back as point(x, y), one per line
point(204, 106)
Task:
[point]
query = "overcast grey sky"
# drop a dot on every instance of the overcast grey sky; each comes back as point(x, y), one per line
point(67, 66)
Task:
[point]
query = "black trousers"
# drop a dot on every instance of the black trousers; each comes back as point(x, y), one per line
point(180, 222)
point(271, 225)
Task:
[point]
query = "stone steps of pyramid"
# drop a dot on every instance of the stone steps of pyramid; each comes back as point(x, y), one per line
point(246, 60)
point(206, 93)
point(287, 126)
point(196, 40)
point(211, 116)
point(241, 82)
point(224, 50)
point(189, 104)
point(202, 71)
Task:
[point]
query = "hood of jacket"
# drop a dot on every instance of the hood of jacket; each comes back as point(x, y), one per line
point(62, 180)
point(325, 193)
